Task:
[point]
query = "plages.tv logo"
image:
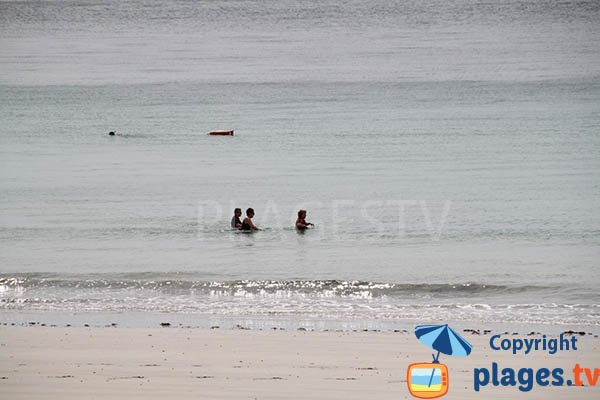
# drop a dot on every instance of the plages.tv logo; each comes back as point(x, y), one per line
point(431, 380)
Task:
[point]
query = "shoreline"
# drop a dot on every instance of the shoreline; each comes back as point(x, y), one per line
point(167, 325)
point(145, 320)
point(75, 362)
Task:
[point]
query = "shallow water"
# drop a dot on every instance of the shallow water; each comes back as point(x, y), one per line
point(448, 155)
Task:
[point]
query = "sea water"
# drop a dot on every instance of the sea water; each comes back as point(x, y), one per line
point(447, 152)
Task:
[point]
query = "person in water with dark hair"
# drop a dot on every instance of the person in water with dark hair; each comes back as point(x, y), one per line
point(301, 223)
point(247, 224)
point(236, 222)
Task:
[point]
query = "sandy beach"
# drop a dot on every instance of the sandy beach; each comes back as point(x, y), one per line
point(113, 363)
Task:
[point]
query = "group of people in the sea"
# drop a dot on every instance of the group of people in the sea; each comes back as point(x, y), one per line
point(248, 226)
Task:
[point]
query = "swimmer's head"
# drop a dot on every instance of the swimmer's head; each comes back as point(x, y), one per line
point(302, 214)
point(250, 212)
point(237, 212)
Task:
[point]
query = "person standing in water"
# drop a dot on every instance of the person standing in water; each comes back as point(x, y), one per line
point(247, 224)
point(301, 223)
point(236, 222)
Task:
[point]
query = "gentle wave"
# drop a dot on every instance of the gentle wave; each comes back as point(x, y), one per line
point(322, 309)
point(328, 288)
point(326, 300)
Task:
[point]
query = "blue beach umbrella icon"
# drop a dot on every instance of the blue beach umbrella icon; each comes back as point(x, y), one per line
point(443, 339)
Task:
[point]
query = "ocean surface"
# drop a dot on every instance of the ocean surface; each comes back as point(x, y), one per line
point(447, 152)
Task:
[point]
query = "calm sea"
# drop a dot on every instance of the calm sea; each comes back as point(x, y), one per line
point(447, 152)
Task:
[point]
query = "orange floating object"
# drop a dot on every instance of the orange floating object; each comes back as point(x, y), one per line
point(221, 133)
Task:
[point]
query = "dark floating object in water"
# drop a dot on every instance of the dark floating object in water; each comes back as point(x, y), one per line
point(165, 324)
point(221, 133)
point(111, 133)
